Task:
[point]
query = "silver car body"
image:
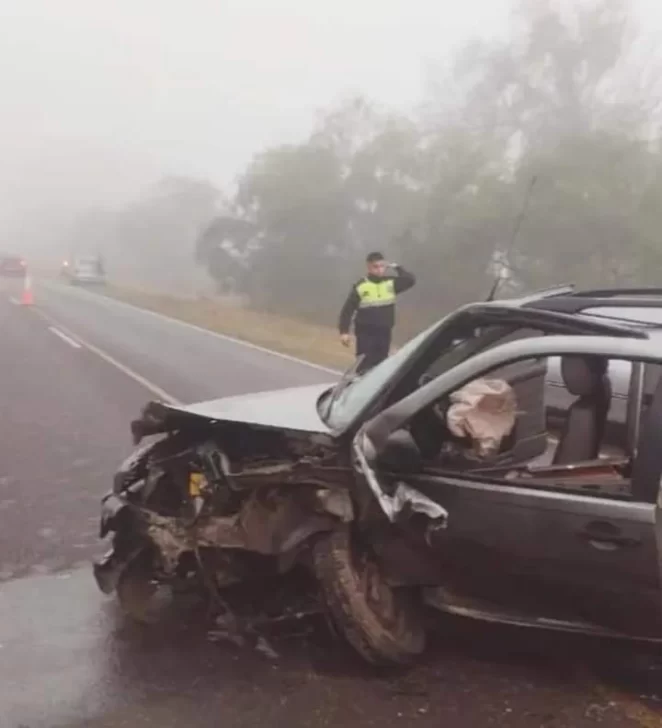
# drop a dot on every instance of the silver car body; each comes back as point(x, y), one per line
point(541, 549)
point(604, 552)
point(86, 270)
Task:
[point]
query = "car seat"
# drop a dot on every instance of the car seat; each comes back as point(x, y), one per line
point(585, 377)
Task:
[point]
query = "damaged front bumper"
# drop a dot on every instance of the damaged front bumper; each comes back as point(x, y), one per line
point(115, 511)
point(269, 523)
point(108, 569)
point(118, 516)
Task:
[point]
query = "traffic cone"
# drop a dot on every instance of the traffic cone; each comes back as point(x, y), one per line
point(26, 298)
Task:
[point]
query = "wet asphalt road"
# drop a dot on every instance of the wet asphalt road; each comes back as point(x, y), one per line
point(68, 659)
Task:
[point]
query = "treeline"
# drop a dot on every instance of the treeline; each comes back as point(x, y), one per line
point(568, 99)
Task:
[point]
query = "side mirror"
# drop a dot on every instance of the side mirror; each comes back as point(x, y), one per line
point(401, 453)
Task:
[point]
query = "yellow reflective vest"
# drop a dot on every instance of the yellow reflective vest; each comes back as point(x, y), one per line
point(376, 293)
point(371, 302)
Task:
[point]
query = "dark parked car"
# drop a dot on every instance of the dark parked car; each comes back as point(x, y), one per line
point(457, 474)
point(12, 266)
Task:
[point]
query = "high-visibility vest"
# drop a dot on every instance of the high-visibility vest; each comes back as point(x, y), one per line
point(379, 293)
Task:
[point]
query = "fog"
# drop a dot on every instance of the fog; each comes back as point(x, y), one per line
point(99, 99)
point(102, 101)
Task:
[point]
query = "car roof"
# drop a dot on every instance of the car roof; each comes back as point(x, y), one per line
point(633, 308)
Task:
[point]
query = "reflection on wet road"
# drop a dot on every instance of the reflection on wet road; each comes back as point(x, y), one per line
point(68, 659)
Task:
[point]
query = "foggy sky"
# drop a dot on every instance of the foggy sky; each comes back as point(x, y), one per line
point(101, 98)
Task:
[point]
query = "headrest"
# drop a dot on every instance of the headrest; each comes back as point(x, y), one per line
point(583, 375)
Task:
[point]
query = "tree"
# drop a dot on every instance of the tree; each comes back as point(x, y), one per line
point(550, 101)
point(560, 99)
point(224, 247)
point(156, 235)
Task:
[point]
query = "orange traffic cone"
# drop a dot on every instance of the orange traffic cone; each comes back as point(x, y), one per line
point(27, 298)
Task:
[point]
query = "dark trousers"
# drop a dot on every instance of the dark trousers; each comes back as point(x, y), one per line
point(374, 344)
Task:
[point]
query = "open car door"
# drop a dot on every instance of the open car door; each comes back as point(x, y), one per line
point(555, 550)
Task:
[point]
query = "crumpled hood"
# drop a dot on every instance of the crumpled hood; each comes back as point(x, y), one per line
point(294, 408)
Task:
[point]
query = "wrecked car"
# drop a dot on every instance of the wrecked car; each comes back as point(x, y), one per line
point(456, 475)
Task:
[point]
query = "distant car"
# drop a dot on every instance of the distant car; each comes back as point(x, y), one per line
point(85, 270)
point(12, 266)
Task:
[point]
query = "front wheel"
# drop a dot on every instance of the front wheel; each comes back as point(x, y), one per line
point(381, 623)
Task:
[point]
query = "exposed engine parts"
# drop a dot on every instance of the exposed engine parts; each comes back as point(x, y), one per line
point(185, 496)
point(268, 523)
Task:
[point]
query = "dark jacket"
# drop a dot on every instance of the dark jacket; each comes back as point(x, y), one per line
point(382, 317)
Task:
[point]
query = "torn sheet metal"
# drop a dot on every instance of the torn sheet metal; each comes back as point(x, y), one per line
point(269, 524)
point(408, 498)
point(405, 497)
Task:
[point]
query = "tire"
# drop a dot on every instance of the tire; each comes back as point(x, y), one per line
point(385, 628)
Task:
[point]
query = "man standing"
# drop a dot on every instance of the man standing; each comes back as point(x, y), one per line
point(371, 303)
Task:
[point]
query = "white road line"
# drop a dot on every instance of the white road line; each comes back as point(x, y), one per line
point(110, 301)
point(64, 337)
point(150, 386)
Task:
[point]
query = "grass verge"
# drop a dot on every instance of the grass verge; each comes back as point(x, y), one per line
point(317, 344)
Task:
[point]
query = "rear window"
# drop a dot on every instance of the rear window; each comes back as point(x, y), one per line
point(87, 264)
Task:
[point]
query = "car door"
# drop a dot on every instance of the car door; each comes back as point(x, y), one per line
point(559, 556)
point(548, 552)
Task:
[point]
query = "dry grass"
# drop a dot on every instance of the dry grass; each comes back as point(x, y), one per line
point(316, 344)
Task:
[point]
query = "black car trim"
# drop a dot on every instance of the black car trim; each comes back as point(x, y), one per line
point(539, 315)
point(615, 292)
point(573, 305)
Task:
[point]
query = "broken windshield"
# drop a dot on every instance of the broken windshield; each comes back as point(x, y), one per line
point(357, 394)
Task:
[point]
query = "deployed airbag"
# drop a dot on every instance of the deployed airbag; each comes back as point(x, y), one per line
point(485, 411)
